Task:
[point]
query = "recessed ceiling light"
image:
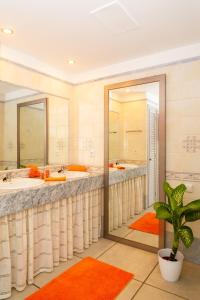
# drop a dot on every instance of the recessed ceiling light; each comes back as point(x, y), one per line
point(71, 62)
point(7, 30)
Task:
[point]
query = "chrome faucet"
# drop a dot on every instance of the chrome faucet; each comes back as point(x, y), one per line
point(7, 177)
point(61, 170)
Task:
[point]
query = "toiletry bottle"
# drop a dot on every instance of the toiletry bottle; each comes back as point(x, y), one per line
point(46, 173)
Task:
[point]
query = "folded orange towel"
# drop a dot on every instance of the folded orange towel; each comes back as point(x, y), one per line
point(56, 178)
point(77, 168)
point(120, 168)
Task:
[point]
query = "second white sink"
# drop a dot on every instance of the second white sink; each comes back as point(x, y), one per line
point(20, 183)
point(70, 174)
point(128, 166)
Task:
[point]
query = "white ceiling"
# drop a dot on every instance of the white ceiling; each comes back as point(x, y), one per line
point(140, 88)
point(54, 30)
point(148, 91)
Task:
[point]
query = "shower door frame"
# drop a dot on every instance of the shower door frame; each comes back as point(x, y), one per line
point(161, 79)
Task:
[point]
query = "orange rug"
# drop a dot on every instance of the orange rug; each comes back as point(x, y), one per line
point(147, 223)
point(89, 279)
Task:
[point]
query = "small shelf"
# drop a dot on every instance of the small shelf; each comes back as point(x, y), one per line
point(133, 131)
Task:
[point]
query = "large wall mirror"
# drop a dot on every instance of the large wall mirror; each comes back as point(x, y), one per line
point(34, 128)
point(32, 124)
point(134, 161)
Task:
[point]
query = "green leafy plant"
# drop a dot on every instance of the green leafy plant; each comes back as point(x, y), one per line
point(175, 213)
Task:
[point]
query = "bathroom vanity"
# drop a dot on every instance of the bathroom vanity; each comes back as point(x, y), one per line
point(45, 224)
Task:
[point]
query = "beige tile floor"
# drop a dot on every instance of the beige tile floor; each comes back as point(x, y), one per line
point(143, 237)
point(137, 236)
point(147, 283)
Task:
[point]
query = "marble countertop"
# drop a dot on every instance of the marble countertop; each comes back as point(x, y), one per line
point(18, 200)
point(129, 173)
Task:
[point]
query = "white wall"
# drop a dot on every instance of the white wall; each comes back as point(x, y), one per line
point(124, 118)
point(135, 118)
point(58, 112)
point(87, 125)
point(1, 128)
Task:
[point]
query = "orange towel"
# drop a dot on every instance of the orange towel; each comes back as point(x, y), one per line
point(77, 168)
point(147, 223)
point(121, 168)
point(56, 178)
point(89, 279)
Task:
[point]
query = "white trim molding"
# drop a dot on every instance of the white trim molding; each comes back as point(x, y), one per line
point(167, 57)
point(30, 62)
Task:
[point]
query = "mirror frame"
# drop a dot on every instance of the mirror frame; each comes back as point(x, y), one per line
point(161, 155)
point(19, 105)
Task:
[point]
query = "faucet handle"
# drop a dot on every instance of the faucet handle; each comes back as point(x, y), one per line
point(7, 177)
point(61, 170)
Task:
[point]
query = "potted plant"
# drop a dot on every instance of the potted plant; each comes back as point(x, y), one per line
point(175, 213)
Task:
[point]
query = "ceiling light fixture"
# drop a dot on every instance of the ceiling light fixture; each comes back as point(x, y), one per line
point(7, 30)
point(71, 62)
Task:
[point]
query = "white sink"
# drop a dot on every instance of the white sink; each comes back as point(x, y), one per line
point(112, 169)
point(70, 174)
point(20, 183)
point(128, 166)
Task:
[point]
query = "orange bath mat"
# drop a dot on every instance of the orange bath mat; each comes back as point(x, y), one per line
point(89, 279)
point(147, 223)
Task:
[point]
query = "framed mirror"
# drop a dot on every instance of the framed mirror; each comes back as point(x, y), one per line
point(32, 141)
point(34, 127)
point(134, 161)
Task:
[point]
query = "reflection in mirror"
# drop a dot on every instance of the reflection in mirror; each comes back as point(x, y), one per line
point(133, 163)
point(10, 95)
point(33, 139)
point(31, 143)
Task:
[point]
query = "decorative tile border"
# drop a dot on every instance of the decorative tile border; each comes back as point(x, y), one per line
point(183, 176)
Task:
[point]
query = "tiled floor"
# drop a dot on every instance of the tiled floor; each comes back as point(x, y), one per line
point(143, 237)
point(137, 236)
point(147, 283)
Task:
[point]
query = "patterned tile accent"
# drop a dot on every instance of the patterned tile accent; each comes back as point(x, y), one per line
point(191, 144)
point(10, 146)
point(183, 176)
point(60, 145)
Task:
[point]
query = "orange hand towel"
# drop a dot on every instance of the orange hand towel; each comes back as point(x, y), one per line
point(77, 168)
point(120, 168)
point(56, 178)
